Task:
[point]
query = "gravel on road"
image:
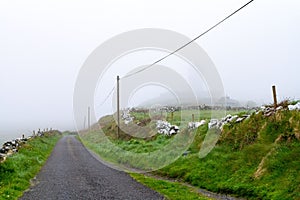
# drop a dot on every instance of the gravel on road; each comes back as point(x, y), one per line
point(71, 172)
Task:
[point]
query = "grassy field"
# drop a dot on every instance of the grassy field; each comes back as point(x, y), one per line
point(255, 159)
point(185, 116)
point(17, 171)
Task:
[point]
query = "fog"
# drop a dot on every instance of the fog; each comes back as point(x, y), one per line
point(43, 45)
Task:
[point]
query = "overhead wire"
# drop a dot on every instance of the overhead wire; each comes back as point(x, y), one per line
point(181, 47)
point(188, 43)
point(109, 94)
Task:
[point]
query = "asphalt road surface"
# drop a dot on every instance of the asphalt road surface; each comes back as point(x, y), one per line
point(71, 172)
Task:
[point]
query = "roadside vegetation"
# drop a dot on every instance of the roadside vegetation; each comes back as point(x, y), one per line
point(171, 190)
point(255, 159)
point(130, 151)
point(18, 169)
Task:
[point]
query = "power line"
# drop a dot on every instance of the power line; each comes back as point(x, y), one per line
point(175, 51)
point(196, 38)
point(109, 94)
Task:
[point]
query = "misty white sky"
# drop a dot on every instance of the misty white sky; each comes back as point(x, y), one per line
point(43, 45)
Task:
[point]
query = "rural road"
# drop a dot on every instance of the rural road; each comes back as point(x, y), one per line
point(71, 172)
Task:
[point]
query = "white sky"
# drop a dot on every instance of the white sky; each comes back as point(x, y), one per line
point(43, 44)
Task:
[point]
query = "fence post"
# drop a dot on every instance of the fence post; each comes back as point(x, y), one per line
point(118, 105)
point(89, 118)
point(274, 95)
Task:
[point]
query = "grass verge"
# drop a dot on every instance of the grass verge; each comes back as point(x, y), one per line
point(170, 190)
point(17, 171)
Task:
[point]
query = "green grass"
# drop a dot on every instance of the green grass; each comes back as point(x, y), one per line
point(171, 190)
point(138, 152)
point(17, 171)
point(184, 116)
point(143, 146)
point(225, 171)
point(255, 159)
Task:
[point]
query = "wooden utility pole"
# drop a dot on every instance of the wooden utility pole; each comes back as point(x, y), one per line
point(84, 122)
point(118, 105)
point(274, 96)
point(89, 118)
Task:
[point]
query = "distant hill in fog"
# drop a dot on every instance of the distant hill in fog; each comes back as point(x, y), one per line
point(203, 99)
